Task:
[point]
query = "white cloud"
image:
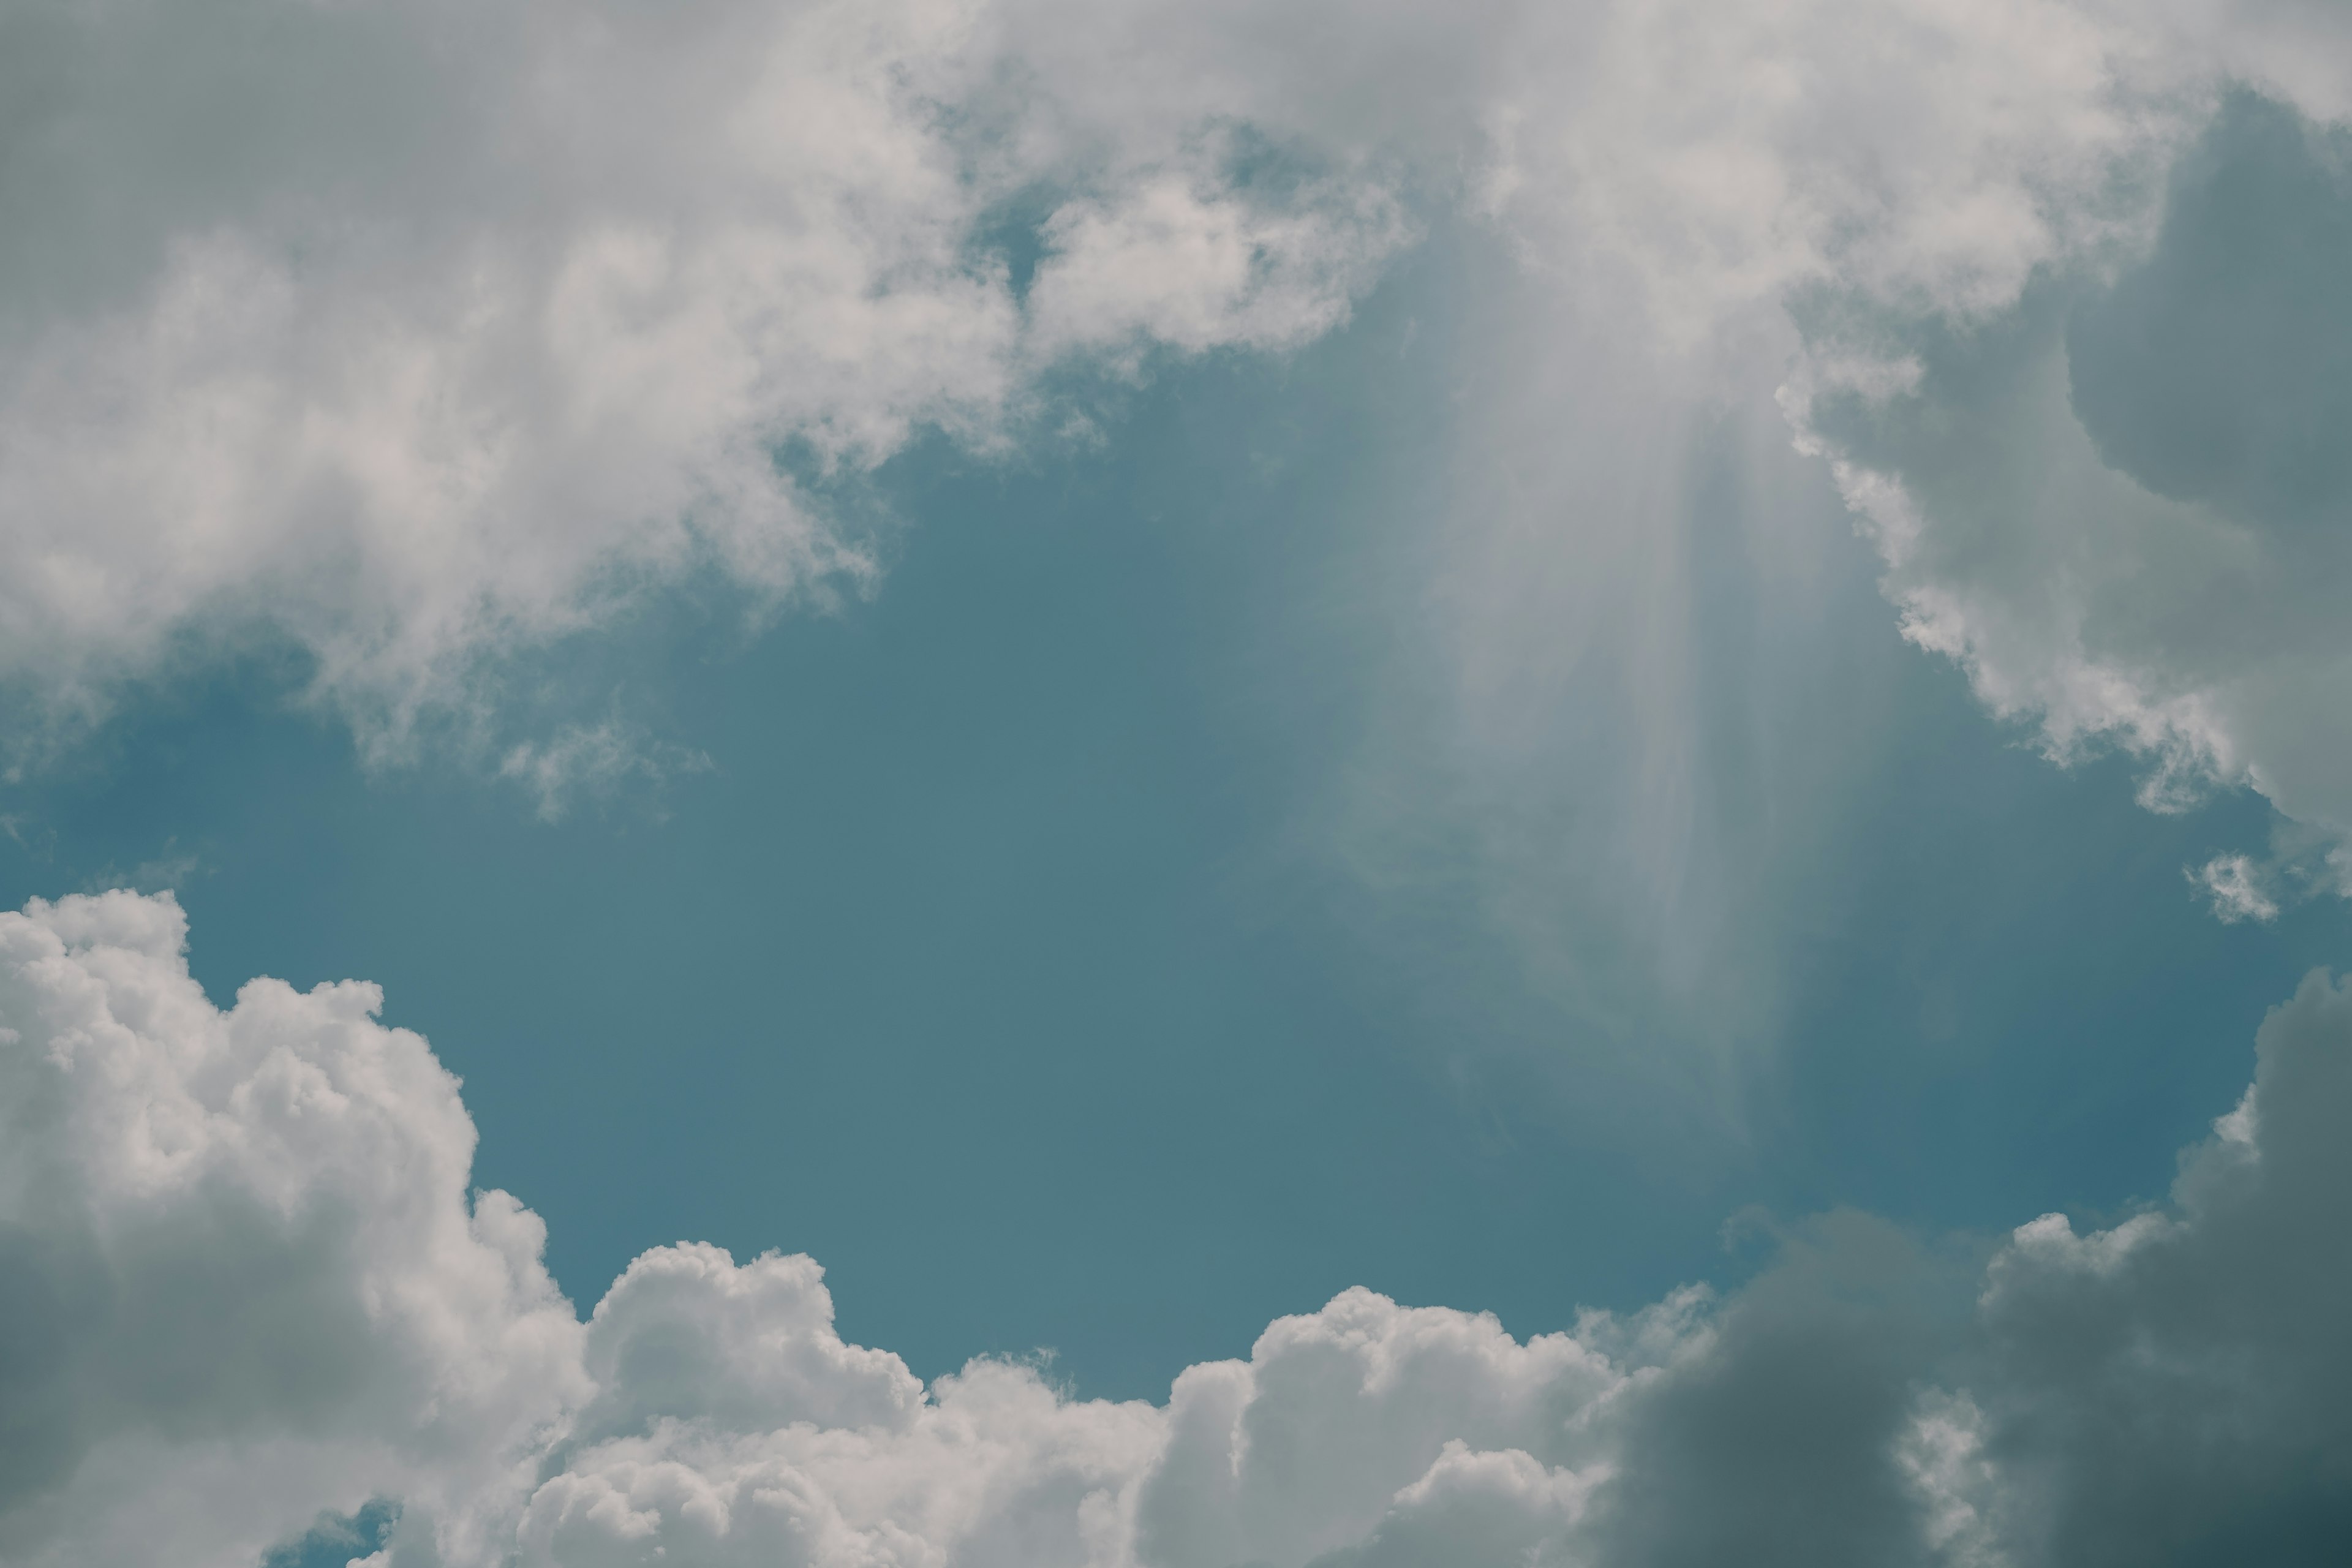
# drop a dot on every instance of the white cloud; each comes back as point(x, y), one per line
point(2056, 301)
point(1167, 265)
point(2234, 883)
point(2114, 502)
point(593, 759)
point(246, 1278)
point(2065, 340)
point(415, 335)
point(246, 1284)
point(1928, 155)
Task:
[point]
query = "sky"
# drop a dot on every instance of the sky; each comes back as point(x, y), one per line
point(981, 783)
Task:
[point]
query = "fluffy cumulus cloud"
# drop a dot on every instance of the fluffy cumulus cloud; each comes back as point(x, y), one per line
point(413, 335)
point(247, 1289)
point(242, 1269)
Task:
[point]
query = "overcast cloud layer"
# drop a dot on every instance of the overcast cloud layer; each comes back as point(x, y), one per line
point(248, 1284)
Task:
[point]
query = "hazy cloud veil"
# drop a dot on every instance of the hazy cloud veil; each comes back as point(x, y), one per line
point(414, 338)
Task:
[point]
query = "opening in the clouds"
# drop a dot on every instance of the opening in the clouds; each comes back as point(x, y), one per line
point(337, 1540)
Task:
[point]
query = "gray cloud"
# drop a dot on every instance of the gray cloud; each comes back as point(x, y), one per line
point(2220, 368)
point(2173, 1390)
point(2121, 503)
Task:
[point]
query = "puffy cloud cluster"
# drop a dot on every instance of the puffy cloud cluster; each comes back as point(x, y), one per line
point(246, 1285)
point(730, 1425)
point(415, 334)
point(241, 1273)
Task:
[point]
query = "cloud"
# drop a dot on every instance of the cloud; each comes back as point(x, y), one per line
point(250, 1303)
point(414, 353)
point(2117, 504)
point(1924, 154)
point(2171, 1388)
point(412, 337)
point(2054, 292)
point(1640, 689)
point(244, 1277)
point(594, 760)
point(417, 357)
point(2235, 884)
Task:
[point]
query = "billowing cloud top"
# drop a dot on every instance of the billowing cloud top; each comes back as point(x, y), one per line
point(248, 1286)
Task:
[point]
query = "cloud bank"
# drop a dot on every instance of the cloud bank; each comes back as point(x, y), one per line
point(412, 337)
point(415, 340)
point(248, 1286)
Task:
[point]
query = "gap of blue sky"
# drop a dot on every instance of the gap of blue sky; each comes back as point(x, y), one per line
point(1003, 960)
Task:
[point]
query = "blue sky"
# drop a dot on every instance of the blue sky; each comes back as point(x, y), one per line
point(993, 945)
point(1191, 705)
